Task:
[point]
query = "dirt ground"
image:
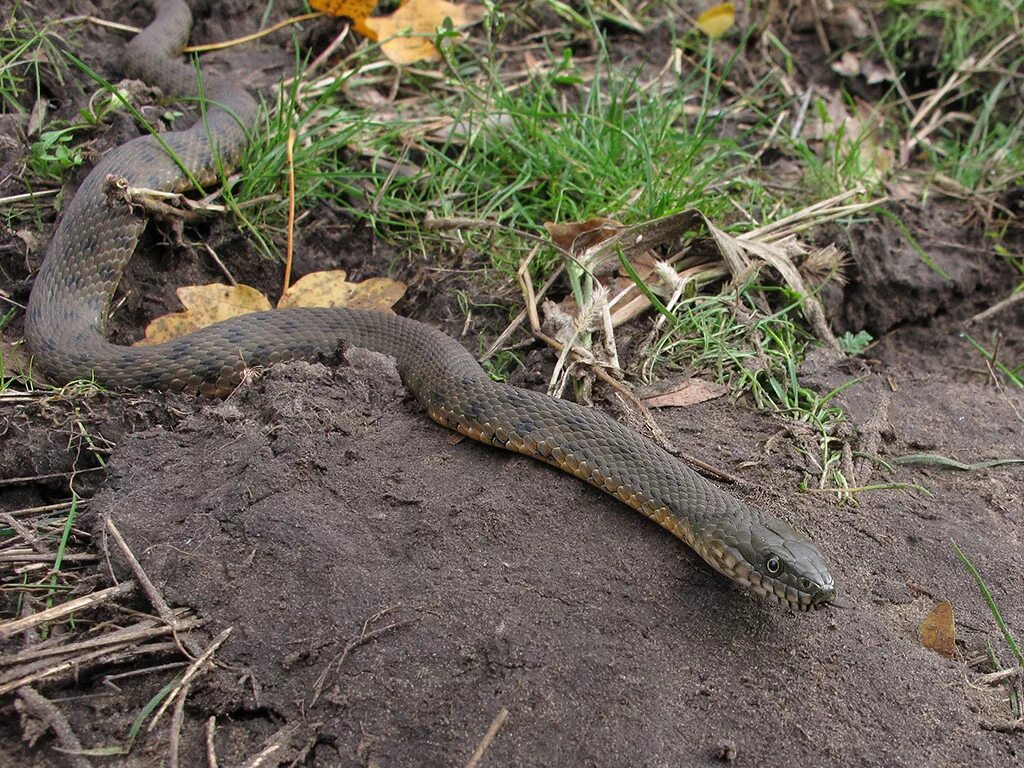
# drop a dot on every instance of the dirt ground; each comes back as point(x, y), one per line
point(391, 593)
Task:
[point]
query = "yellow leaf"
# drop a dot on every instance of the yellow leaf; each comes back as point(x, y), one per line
point(409, 32)
point(938, 630)
point(717, 19)
point(357, 10)
point(329, 289)
point(204, 305)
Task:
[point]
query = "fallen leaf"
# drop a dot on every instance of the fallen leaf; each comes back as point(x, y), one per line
point(577, 236)
point(717, 20)
point(330, 289)
point(689, 391)
point(848, 65)
point(357, 10)
point(209, 304)
point(409, 32)
point(204, 305)
point(938, 630)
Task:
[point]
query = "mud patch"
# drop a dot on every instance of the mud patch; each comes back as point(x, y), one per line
point(320, 506)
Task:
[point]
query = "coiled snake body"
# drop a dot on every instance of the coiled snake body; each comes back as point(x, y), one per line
point(95, 239)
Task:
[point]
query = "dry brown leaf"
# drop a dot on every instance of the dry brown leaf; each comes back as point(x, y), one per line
point(577, 236)
point(204, 305)
point(357, 10)
point(408, 33)
point(687, 392)
point(938, 630)
point(330, 289)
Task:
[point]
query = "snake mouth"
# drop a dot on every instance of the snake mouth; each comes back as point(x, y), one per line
point(774, 590)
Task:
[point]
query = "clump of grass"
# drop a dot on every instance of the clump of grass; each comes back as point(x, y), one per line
point(25, 48)
point(967, 60)
point(753, 339)
point(483, 140)
point(1013, 372)
point(1012, 645)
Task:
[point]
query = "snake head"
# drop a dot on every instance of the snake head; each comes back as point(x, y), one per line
point(774, 560)
point(770, 558)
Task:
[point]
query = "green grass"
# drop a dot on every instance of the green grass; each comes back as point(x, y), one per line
point(1013, 372)
point(479, 138)
point(753, 339)
point(25, 49)
point(1011, 640)
point(973, 51)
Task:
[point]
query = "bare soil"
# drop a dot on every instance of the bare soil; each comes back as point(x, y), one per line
point(391, 591)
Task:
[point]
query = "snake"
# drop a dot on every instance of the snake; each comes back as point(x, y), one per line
point(97, 236)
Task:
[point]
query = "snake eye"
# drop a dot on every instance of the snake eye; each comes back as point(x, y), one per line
point(773, 565)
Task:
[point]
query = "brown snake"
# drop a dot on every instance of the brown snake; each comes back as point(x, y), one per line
point(95, 239)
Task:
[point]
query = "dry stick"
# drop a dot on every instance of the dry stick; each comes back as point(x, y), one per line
point(155, 598)
point(276, 740)
point(27, 535)
point(22, 556)
point(223, 267)
point(176, 722)
point(1003, 674)
point(48, 712)
point(211, 749)
point(11, 628)
point(144, 630)
point(52, 667)
point(29, 511)
point(163, 610)
point(254, 36)
point(364, 637)
point(76, 664)
point(191, 673)
point(999, 306)
point(109, 680)
point(485, 742)
point(53, 475)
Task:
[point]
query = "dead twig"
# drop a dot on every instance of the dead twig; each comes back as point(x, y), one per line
point(152, 594)
point(485, 742)
point(363, 638)
point(47, 711)
point(74, 666)
point(177, 719)
point(998, 307)
point(194, 670)
point(211, 749)
point(11, 628)
point(144, 630)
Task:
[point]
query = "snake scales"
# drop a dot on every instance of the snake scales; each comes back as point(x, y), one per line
point(95, 239)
